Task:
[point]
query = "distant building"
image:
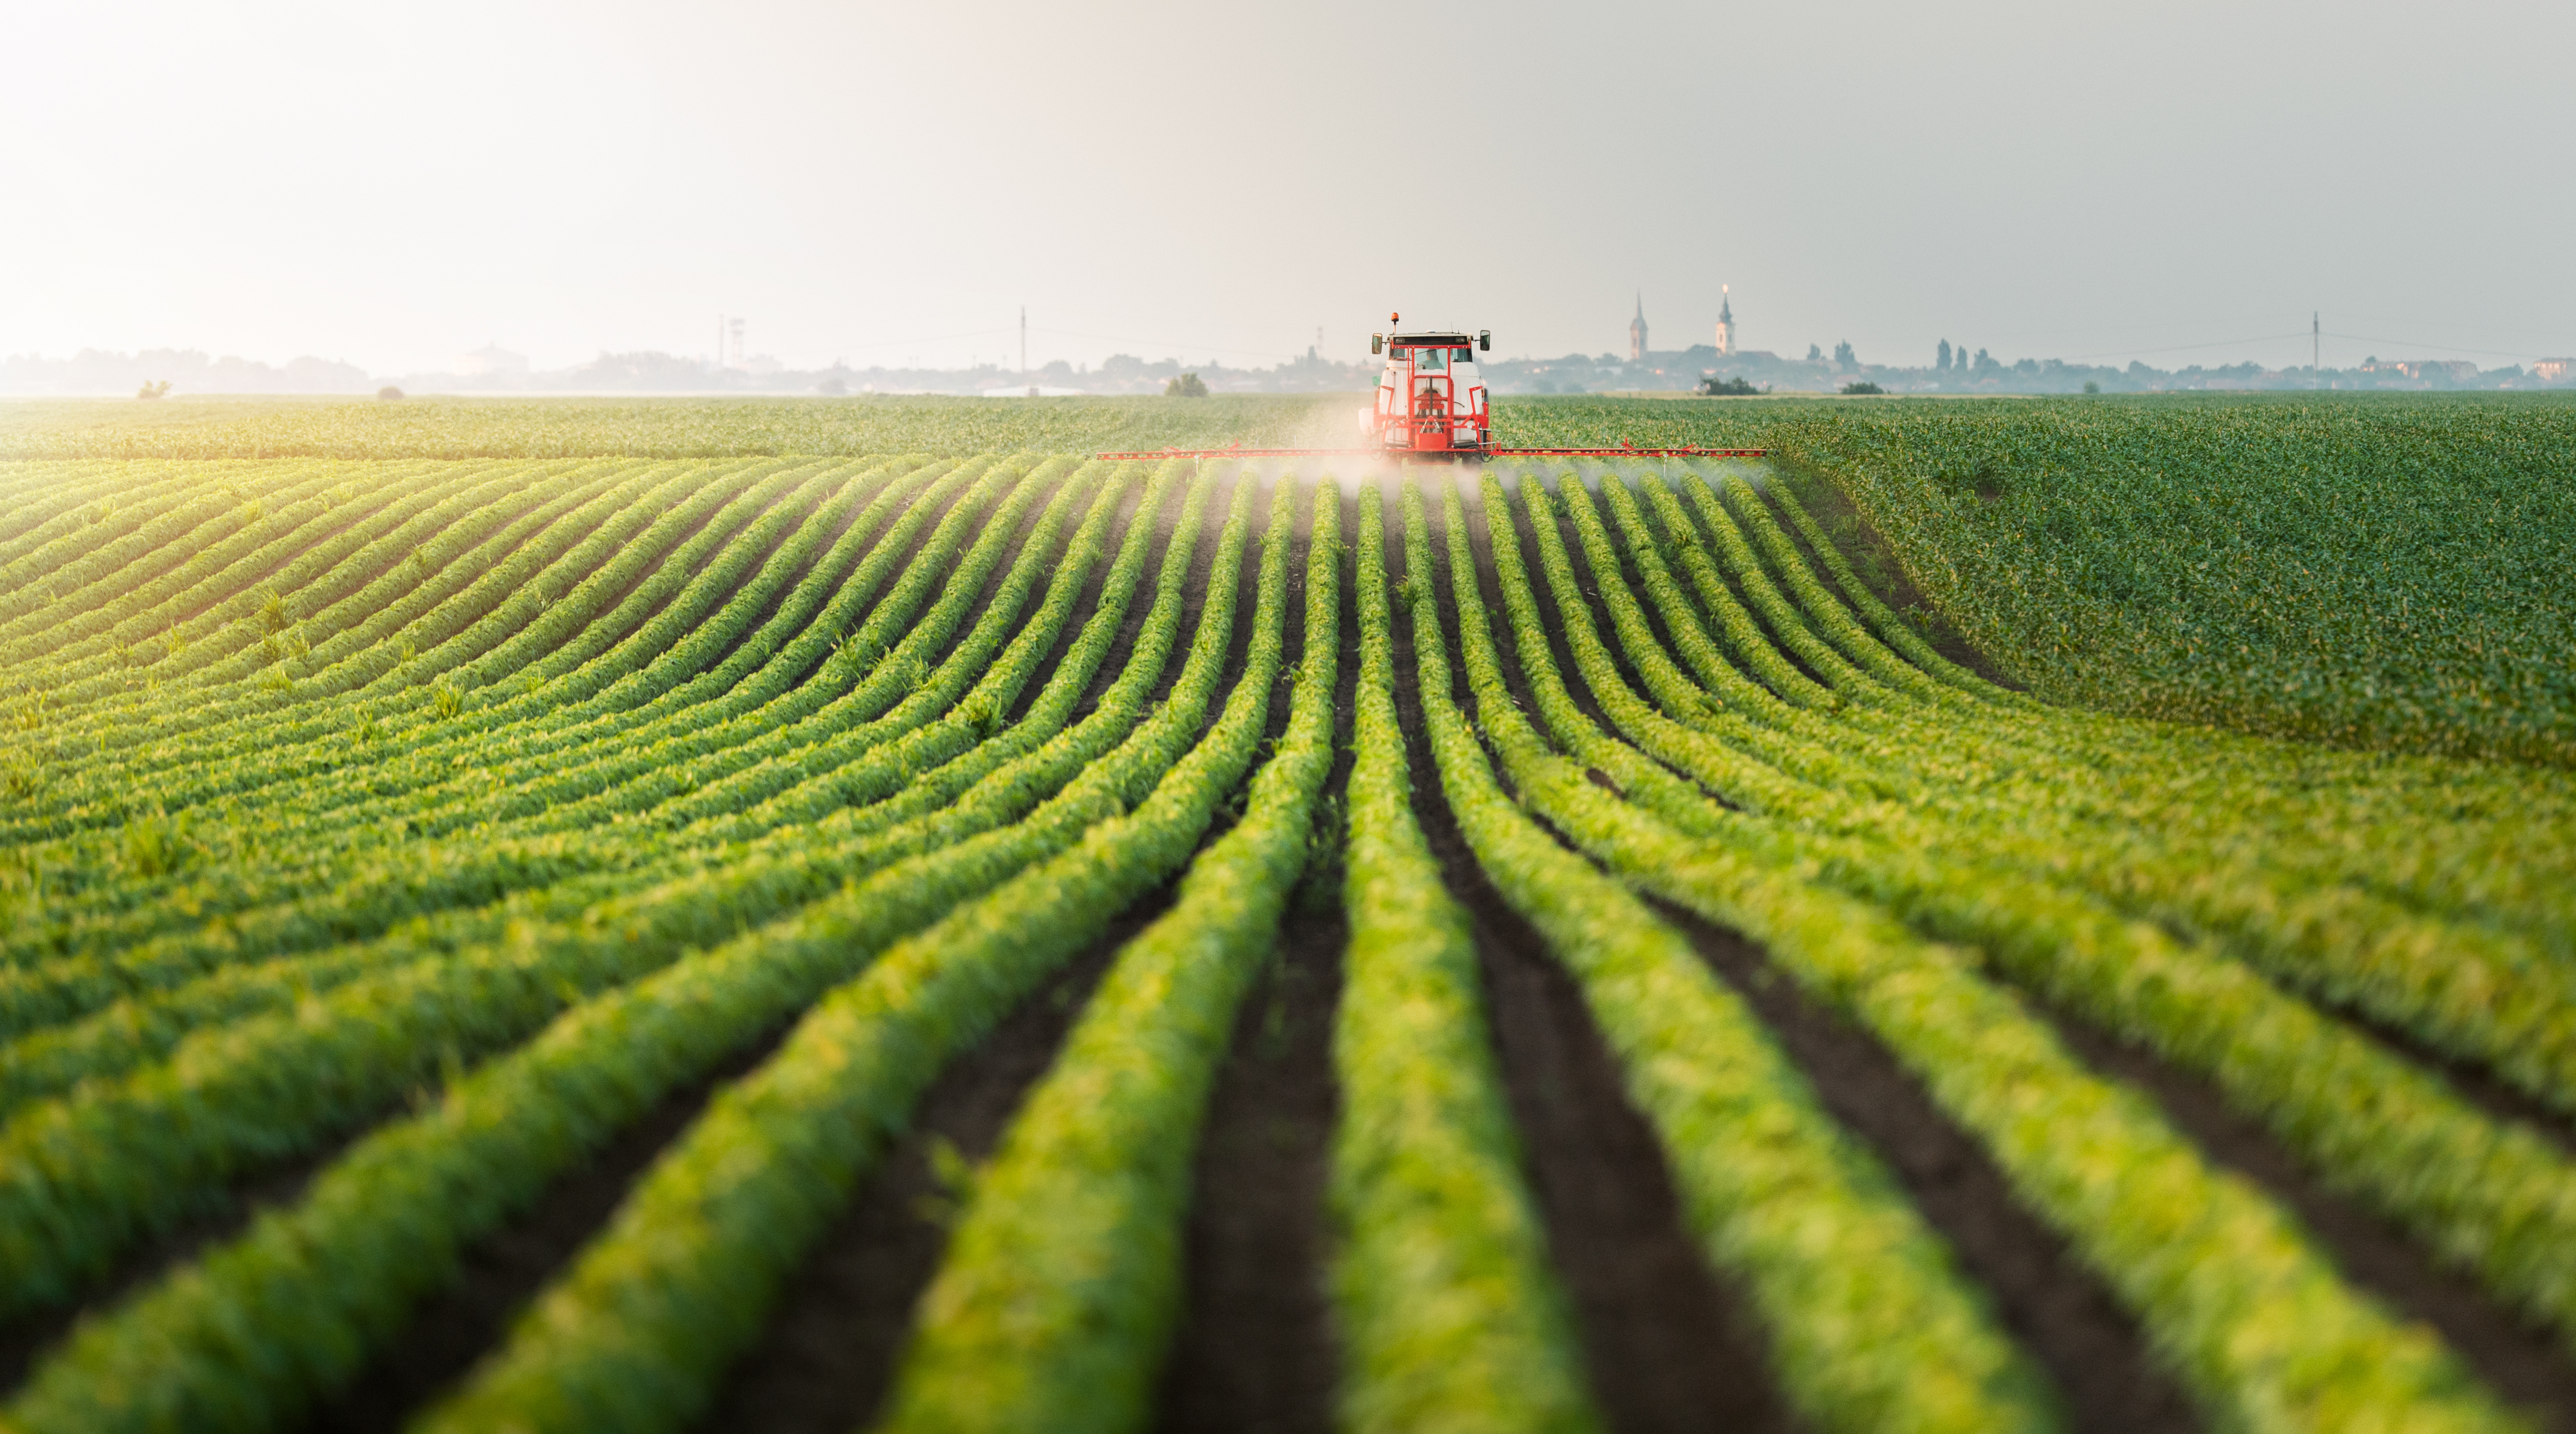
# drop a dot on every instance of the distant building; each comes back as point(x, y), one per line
point(2450, 370)
point(2552, 370)
point(1725, 324)
point(1637, 331)
point(491, 359)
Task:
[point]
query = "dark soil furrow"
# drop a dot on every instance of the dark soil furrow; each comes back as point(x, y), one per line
point(2472, 1083)
point(1087, 602)
point(1666, 1342)
point(1668, 1345)
point(221, 1215)
point(829, 1355)
point(1253, 1349)
point(1872, 558)
point(2050, 1302)
point(2519, 1361)
point(1654, 615)
point(505, 1270)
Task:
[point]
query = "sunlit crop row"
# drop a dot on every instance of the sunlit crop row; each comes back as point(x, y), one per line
point(420, 827)
point(2373, 570)
point(446, 427)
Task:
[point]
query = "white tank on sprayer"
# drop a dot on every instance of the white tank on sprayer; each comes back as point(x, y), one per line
point(1430, 398)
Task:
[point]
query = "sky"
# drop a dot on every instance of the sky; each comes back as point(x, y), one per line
point(392, 185)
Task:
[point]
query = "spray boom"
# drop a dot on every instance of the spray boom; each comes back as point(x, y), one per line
point(1431, 402)
point(1624, 450)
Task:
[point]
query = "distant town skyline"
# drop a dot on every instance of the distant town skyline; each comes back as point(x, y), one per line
point(494, 359)
point(492, 371)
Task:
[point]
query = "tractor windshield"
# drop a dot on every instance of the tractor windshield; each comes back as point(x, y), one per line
point(1431, 360)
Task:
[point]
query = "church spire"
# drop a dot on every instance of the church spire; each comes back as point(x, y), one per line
point(1637, 331)
point(1725, 322)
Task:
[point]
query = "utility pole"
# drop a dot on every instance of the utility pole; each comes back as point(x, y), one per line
point(1024, 341)
point(2316, 346)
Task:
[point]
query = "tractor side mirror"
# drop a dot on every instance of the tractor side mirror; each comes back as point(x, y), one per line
point(1377, 343)
point(1485, 339)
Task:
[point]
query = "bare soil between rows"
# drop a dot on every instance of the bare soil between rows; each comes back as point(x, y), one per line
point(830, 1352)
point(2092, 1350)
point(1669, 1342)
point(1253, 1352)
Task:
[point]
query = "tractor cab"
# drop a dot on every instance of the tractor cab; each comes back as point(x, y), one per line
point(1430, 398)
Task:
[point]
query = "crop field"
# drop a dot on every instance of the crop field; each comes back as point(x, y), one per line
point(642, 427)
point(851, 914)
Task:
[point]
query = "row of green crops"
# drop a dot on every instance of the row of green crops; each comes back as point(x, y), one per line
point(1451, 1315)
point(2493, 1193)
point(656, 1029)
point(636, 1334)
point(1971, 1048)
point(879, 799)
point(1077, 1346)
point(417, 827)
point(2371, 570)
point(438, 427)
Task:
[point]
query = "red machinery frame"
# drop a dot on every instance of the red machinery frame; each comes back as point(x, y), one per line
point(1624, 450)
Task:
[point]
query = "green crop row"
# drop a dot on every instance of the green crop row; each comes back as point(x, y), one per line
point(2479, 993)
point(88, 1173)
point(1061, 1283)
point(635, 1333)
point(448, 427)
point(2494, 1198)
point(227, 615)
point(393, 618)
point(77, 567)
point(305, 761)
point(1449, 1314)
point(2226, 1286)
point(2451, 837)
point(675, 567)
point(1871, 1326)
point(78, 624)
point(74, 985)
point(776, 722)
point(46, 500)
point(440, 817)
point(142, 1026)
point(2364, 569)
point(329, 1281)
point(380, 587)
point(897, 769)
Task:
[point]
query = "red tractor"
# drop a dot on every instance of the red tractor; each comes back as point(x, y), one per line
point(1430, 399)
point(1431, 403)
